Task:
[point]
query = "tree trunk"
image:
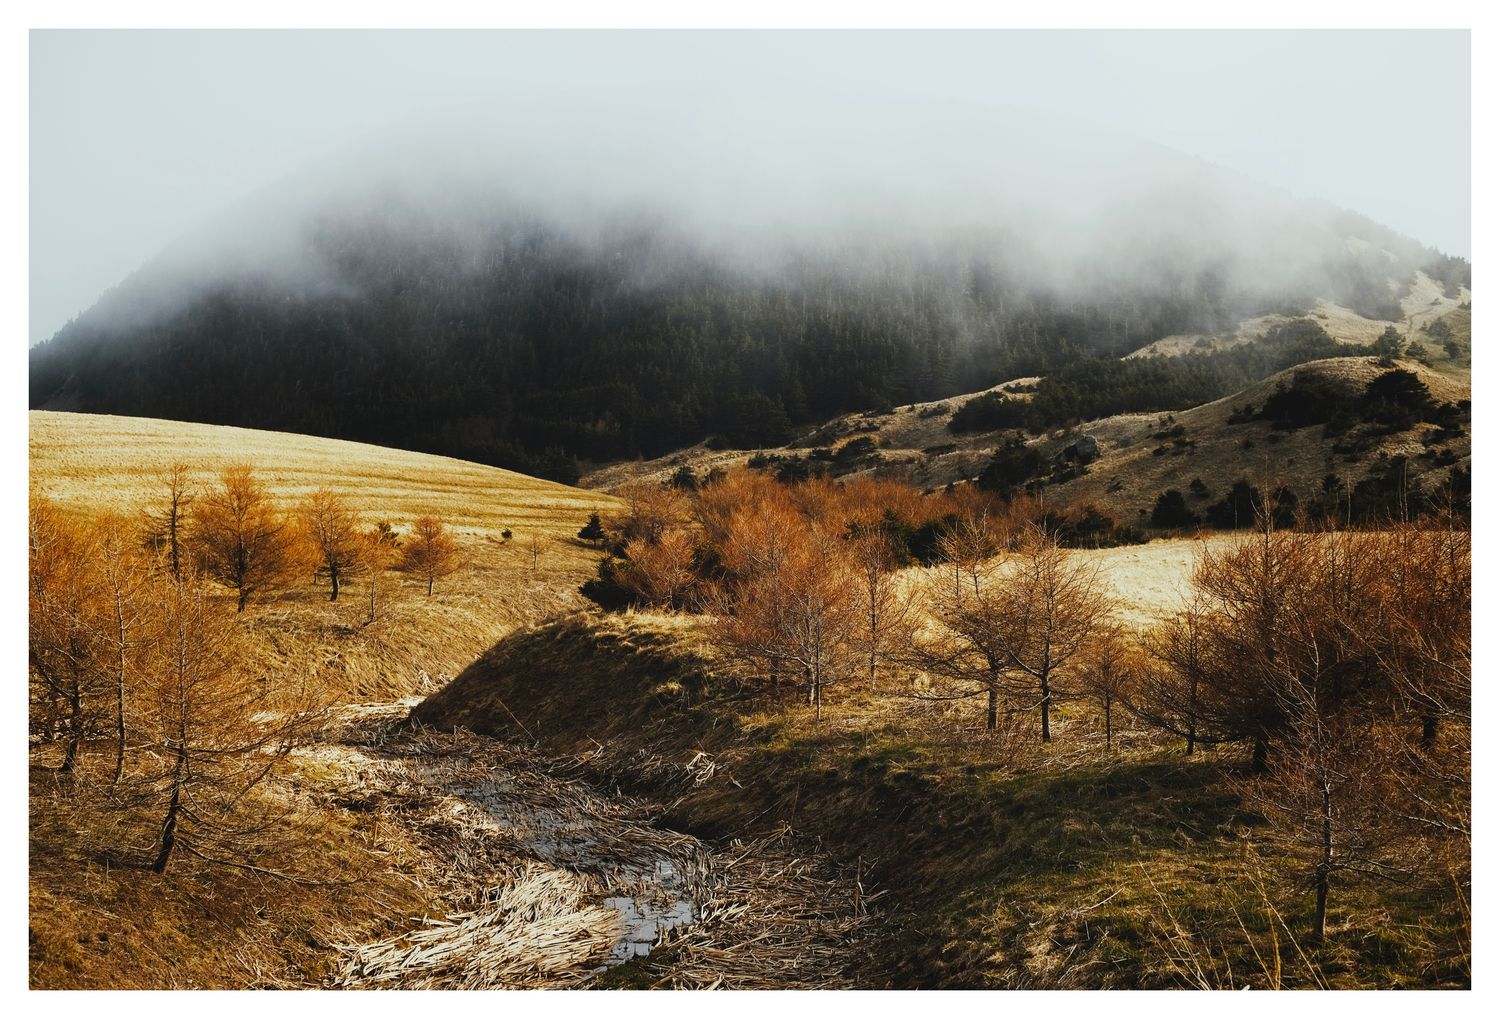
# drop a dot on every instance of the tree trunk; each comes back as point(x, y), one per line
point(992, 718)
point(1429, 732)
point(120, 719)
point(1258, 756)
point(1046, 709)
point(174, 806)
point(1320, 913)
point(1192, 722)
point(120, 635)
point(172, 540)
point(1108, 727)
point(429, 585)
point(244, 597)
point(1325, 864)
point(333, 583)
point(75, 731)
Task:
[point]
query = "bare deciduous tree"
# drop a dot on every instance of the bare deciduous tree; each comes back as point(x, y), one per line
point(1048, 607)
point(213, 730)
point(121, 621)
point(887, 610)
point(799, 609)
point(965, 646)
point(64, 648)
point(1109, 671)
point(241, 538)
point(167, 523)
point(333, 532)
point(379, 551)
point(429, 551)
point(660, 572)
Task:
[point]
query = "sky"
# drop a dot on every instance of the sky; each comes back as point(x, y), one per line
point(140, 137)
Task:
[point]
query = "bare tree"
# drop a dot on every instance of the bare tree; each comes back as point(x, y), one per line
point(167, 523)
point(802, 612)
point(1328, 797)
point(1108, 673)
point(649, 511)
point(121, 623)
point(887, 609)
point(754, 538)
point(430, 551)
point(213, 730)
point(379, 550)
point(333, 532)
point(1048, 607)
point(964, 646)
point(64, 648)
point(241, 538)
point(1169, 691)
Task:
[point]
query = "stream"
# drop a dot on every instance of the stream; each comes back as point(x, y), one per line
point(555, 882)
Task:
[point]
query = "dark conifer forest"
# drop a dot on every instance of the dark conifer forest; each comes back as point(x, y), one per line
point(525, 345)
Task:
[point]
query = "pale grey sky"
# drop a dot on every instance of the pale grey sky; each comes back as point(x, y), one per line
point(139, 137)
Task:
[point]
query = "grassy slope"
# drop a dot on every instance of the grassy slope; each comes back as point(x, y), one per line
point(94, 924)
point(90, 463)
point(1126, 477)
point(1129, 475)
point(1006, 864)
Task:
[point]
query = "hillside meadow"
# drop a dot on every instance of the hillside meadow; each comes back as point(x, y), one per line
point(90, 463)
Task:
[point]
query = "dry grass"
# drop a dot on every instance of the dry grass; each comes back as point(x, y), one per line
point(1004, 862)
point(1129, 475)
point(98, 461)
point(91, 463)
point(98, 923)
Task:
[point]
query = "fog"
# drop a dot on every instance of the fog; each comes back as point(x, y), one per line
point(1079, 153)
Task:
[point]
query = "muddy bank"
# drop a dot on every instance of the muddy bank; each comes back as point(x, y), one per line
point(557, 883)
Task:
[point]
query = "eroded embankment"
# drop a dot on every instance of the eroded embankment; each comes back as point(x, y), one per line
point(555, 883)
point(998, 869)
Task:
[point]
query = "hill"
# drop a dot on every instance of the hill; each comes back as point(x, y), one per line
point(88, 463)
point(1139, 455)
point(490, 317)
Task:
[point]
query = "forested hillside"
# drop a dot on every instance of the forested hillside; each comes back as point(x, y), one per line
point(512, 340)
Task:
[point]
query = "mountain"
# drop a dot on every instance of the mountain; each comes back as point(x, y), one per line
point(564, 305)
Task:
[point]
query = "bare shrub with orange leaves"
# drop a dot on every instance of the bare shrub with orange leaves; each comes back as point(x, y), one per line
point(241, 539)
point(429, 551)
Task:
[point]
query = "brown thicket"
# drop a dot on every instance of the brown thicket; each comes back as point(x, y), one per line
point(660, 572)
point(429, 551)
point(1343, 659)
point(127, 654)
point(240, 536)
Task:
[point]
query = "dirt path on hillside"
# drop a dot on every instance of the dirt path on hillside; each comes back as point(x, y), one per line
point(555, 883)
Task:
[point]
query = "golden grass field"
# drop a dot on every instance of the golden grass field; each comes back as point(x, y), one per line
point(998, 911)
point(91, 463)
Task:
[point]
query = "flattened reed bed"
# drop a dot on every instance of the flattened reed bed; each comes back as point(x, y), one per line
point(540, 867)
